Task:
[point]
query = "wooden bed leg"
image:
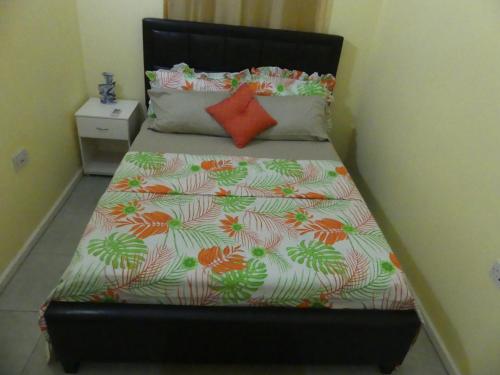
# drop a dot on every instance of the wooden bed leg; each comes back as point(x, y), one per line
point(386, 369)
point(70, 367)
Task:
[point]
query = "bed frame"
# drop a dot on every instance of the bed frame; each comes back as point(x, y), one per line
point(121, 332)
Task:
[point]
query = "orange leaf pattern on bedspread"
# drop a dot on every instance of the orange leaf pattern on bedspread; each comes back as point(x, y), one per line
point(222, 260)
point(148, 224)
point(328, 231)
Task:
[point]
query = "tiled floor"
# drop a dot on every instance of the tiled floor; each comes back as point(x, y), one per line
point(23, 350)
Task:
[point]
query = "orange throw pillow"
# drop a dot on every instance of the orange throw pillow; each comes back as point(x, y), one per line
point(241, 116)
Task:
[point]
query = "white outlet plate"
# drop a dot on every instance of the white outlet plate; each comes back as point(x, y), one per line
point(20, 159)
point(495, 273)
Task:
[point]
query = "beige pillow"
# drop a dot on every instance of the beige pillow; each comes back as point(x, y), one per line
point(299, 117)
point(184, 111)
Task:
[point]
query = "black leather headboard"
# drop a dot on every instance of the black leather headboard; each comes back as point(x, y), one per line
point(223, 48)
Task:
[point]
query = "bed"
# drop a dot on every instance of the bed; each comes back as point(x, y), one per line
point(178, 332)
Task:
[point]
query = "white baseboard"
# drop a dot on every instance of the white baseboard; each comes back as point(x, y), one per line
point(25, 250)
point(436, 340)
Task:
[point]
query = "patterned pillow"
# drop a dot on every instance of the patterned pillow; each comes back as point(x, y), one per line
point(276, 71)
point(272, 80)
point(186, 69)
point(182, 77)
point(265, 81)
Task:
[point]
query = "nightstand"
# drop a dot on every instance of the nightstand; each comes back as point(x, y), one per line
point(105, 132)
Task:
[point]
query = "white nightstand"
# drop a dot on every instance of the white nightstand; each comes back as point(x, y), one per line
point(106, 132)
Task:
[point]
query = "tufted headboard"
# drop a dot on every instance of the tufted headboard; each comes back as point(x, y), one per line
point(223, 48)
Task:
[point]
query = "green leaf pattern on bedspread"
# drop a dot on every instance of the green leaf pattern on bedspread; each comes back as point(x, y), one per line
point(221, 230)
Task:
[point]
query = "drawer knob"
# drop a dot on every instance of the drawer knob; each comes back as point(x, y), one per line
point(102, 129)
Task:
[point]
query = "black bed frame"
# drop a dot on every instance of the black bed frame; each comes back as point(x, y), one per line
point(193, 334)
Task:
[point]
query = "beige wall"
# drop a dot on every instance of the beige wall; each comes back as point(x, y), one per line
point(427, 131)
point(41, 84)
point(111, 35)
point(356, 21)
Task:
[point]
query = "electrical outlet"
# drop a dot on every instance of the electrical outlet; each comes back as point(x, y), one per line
point(495, 273)
point(20, 159)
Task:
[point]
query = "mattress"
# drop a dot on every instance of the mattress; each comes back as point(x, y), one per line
point(150, 140)
point(192, 229)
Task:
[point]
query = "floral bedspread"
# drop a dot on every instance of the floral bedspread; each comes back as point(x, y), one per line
point(218, 230)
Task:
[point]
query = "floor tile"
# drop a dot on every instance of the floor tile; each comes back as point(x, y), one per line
point(18, 336)
point(38, 365)
point(33, 282)
point(341, 370)
point(63, 235)
point(232, 370)
point(65, 231)
point(86, 194)
point(421, 359)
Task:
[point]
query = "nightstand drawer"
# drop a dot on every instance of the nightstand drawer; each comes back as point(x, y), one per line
point(90, 127)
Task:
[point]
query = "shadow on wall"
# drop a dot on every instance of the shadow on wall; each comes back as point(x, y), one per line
point(418, 282)
point(342, 119)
